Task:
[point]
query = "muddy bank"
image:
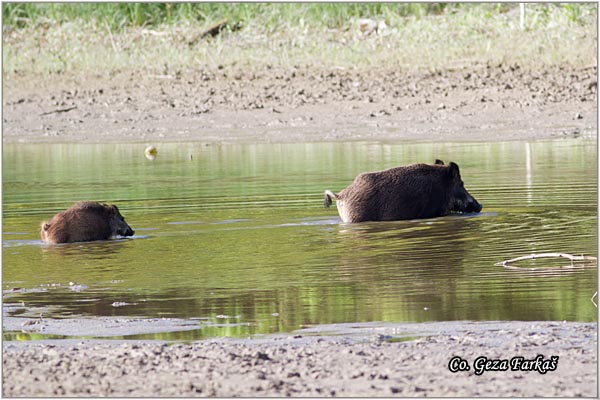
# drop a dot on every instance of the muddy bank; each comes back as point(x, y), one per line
point(304, 104)
point(372, 362)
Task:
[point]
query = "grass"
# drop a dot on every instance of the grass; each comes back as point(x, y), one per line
point(122, 15)
point(155, 37)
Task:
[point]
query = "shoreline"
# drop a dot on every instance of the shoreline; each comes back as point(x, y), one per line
point(475, 103)
point(374, 361)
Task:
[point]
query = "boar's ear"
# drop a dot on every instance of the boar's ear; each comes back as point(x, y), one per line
point(438, 162)
point(114, 210)
point(453, 170)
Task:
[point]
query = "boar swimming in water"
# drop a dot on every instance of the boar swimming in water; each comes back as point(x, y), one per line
point(85, 221)
point(410, 192)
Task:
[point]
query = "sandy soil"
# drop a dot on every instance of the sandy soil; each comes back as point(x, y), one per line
point(308, 364)
point(474, 103)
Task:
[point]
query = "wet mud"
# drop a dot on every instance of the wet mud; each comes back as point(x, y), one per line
point(304, 104)
point(368, 361)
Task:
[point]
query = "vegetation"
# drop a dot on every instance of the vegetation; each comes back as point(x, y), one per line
point(123, 15)
point(67, 37)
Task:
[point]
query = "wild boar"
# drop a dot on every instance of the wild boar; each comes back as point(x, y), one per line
point(85, 221)
point(409, 192)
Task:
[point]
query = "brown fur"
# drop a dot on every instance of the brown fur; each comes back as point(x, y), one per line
point(85, 221)
point(410, 192)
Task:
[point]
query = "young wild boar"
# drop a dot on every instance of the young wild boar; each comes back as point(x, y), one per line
point(411, 192)
point(85, 221)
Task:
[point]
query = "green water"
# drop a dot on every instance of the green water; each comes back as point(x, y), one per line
point(237, 238)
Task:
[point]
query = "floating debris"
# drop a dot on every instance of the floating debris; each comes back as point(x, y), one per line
point(150, 152)
point(122, 304)
point(593, 261)
point(76, 287)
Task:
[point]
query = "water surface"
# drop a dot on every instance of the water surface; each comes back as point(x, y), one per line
point(236, 237)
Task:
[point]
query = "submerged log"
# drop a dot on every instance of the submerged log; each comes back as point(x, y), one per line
point(507, 263)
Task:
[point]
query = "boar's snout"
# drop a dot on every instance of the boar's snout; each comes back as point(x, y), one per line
point(465, 203)
point(468, 204)
point(127, 232)
point(121, 228)
point(473, 206)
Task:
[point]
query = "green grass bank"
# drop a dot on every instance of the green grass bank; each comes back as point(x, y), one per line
point(48, 38)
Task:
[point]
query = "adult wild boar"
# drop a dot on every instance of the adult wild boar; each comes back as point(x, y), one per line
point(85, 221)
point(410, 192)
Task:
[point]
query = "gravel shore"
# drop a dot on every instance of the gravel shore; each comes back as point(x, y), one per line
point(375, 362)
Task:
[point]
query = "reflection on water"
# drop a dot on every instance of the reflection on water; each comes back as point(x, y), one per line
point(238, 238)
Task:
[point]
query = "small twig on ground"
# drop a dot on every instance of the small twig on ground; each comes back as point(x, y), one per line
point(112, 41)
point(60, 110)
point(212, 30)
